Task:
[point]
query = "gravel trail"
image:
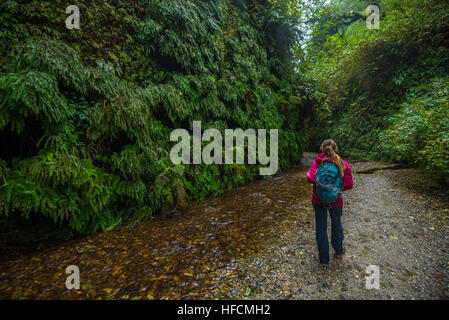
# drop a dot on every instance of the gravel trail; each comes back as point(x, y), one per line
point(391, 219)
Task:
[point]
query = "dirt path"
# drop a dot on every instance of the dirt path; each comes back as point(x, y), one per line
point(390, 220)
point(255, 242)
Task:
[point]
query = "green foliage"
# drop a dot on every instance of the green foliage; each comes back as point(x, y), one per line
point(30, 92)
point(366, 75)
point(96, 106)
point(420, 131)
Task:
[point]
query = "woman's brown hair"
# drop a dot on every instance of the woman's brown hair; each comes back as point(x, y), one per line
point(330, 150)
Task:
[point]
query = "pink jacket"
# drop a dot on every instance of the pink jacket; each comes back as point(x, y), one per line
point(347, 182)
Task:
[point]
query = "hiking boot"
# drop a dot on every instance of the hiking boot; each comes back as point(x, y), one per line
point(340, 255)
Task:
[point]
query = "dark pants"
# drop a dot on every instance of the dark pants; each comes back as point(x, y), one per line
point(321, 231)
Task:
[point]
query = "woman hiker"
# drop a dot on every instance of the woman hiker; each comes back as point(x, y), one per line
point(330, 176)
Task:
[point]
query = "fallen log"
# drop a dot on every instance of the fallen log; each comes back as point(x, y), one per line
point(388, 167)
point(355, 161)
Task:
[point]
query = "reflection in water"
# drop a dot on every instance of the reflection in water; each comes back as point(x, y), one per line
point(188, 255)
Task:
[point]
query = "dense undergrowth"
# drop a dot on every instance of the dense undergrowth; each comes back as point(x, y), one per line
point(86, 115)
point(384, 92)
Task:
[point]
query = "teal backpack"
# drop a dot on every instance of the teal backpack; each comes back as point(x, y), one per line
point(327, 186)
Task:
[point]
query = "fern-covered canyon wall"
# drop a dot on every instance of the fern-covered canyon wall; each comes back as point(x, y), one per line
point(86, 115)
